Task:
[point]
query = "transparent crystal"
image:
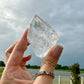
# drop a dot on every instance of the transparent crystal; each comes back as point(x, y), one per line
point(41, 36)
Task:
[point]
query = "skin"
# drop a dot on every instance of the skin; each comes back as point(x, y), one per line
point(15, 71)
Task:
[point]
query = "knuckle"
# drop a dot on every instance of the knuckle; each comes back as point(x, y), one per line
point(6, 52)
point(50, 62)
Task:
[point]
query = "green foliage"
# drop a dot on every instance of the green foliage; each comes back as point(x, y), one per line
point(65, 68)
point(28, 66)
point(58, 66)
point(32, 66)
point(1, 70)
point(75, 71)
point(2, 64)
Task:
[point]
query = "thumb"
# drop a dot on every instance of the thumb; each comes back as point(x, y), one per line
point(51, 59)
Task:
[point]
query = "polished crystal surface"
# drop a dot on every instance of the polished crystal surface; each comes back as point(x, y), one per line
point(41, 36)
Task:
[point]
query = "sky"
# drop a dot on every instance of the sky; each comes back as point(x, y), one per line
point(66, 17)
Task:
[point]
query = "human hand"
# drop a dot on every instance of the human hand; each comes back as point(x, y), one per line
point(15, 71)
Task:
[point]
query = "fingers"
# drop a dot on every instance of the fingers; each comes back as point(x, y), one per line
point(22, 65)
point(49, 64)
point(24, 60)
point(51, 59)
point(18, 51)
point(8, 51)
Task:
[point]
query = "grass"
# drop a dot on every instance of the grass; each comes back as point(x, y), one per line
point(63, 70)
point(68, 70)
point(1, 70)
point(0, 75)
point(81, 71)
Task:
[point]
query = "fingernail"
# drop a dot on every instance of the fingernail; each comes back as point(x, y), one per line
point(57, 50)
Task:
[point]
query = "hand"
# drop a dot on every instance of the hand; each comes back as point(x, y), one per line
point(15, 71)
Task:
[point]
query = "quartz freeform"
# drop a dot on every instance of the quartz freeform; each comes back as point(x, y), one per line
point(41, 36)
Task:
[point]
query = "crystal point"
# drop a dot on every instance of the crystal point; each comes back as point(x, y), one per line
point(41, 36)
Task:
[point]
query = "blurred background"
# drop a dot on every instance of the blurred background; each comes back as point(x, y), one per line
point(66, 17)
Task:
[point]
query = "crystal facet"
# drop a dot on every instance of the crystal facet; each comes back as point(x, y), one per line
point(41, 36)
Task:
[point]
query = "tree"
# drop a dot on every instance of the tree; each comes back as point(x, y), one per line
point(28, 66)
point(65, 67)
point(58, 66)
point(75, 71)
point(33, 66)
point(2, 63)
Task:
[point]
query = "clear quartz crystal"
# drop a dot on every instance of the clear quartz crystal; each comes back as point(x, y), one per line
point(41, 36)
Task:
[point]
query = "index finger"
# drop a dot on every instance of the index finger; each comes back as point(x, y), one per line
point(8, 52)
point(18, 51)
